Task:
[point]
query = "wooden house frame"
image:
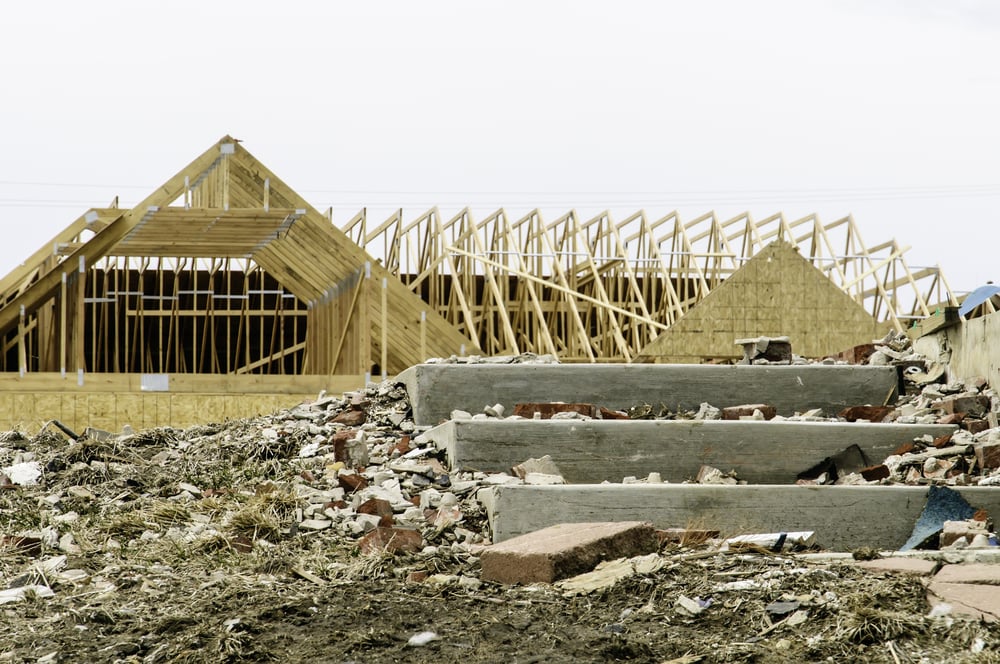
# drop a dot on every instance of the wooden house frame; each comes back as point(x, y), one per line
point(223, 282)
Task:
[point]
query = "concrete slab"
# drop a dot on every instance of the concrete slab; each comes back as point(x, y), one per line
point(983, 573)
point(907, 566)
point(975, 601)
point(597, 450)
point(437, 389)
point(843, 517)
point(564, 550)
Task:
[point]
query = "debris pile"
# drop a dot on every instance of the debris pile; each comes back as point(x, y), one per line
point(335, 527)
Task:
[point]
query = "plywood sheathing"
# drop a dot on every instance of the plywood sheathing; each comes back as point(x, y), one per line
point(776, 293)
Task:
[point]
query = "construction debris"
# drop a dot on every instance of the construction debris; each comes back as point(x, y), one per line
point(336, 504)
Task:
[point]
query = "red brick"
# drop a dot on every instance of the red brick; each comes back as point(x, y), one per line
point(392, 540)
point(953, 418)
point(905, 448)
point(351, 418)
point(975, 406)
point(352, 482)
point(975, 426)
point(380, 508)
point(547, 410)
point(564, 550)
point(870, 413)
point(942, 441)
point(908, 566)
point(403, 446)
point(857, 355)
point(417, 576)
point(736, 412)
point(875, 473)
point(339, 441)
point(608, 414)
point(969, 599)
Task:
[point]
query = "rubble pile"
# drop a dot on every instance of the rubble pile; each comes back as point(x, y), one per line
point(334, 531)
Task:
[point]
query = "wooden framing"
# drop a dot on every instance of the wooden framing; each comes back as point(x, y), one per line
point(602, 290)
point(224, 270)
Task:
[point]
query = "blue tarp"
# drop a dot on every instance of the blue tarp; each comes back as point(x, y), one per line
point(977, 297)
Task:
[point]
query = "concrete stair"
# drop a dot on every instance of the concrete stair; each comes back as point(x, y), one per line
point(769, 455)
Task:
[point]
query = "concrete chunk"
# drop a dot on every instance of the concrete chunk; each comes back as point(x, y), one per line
point(565, 550)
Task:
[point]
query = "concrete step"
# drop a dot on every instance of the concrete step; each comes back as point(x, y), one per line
point(843, 517)
point(592, 451)
point(437, 389)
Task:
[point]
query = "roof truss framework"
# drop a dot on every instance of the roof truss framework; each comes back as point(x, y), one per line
point(601, 289)
point(221, 220)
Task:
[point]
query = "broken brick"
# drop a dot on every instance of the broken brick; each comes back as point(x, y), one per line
point(352, 482)
point(391, 540)
point(857, 355)
point(976, 406)
point(875, 473)
point(747, 410)
point(547, 410)
point(975, 426)
point(953, 531)
point(350, 418)
point(608, 414)
point(417, 576)
point(942, 441)
point(951, 418)
point(565, 550)
point(403, 446)
point(869, 413)
point(988, 455)
point(905, 448)
point(339, 441)
point(377, 507)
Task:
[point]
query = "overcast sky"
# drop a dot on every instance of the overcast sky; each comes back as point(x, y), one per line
point(889, 110)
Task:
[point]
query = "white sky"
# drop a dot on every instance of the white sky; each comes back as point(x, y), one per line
point(889, 110)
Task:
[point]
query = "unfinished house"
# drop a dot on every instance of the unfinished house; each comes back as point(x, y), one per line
point(220, 295)
point(605, 290)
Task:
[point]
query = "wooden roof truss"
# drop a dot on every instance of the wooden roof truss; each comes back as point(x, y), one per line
point(599, 289)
